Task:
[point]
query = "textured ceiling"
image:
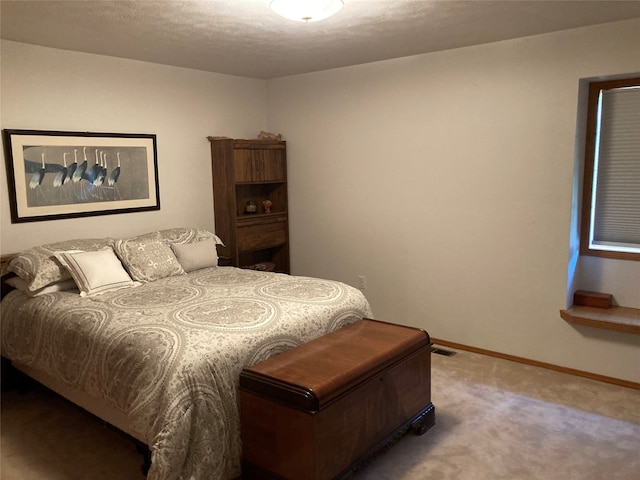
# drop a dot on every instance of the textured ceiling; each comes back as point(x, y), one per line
point(243, 37)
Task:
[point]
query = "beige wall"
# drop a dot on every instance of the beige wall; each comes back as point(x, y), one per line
point(446, 180)
point(49, 89)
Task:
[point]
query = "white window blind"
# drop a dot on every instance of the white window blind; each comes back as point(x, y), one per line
point(615, 208)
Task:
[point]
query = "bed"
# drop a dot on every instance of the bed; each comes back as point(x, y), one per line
point(158, 354)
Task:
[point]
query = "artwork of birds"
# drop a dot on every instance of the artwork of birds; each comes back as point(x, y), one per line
point(97, 175)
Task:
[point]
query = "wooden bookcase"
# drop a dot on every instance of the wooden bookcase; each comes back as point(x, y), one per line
point(251, 171)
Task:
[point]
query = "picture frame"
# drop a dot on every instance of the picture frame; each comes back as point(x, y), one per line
point(55, 174)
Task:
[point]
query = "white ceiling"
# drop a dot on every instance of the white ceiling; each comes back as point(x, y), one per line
point(243, 37)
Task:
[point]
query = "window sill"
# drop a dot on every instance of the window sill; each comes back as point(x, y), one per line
point(621, 319)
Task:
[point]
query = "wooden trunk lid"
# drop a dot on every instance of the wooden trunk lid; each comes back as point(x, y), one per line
point(314, 374)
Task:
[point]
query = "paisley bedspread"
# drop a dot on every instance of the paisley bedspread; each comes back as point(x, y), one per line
point(168, 354)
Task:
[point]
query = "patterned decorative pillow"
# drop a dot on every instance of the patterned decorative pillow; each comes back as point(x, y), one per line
point(39, 267)
point(148, 257)
point(187, 235)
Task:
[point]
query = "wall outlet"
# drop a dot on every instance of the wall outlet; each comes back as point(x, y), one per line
point(362, 282)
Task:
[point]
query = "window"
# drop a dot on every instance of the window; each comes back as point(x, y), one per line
point(611, 189)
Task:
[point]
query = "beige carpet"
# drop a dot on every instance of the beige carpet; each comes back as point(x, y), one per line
point(495, 419)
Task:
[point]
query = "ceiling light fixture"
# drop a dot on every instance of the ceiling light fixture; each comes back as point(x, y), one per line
point(306, 10)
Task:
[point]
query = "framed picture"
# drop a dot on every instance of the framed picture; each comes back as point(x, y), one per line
point(53, 175)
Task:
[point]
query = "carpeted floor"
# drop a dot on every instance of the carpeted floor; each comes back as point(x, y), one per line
point(495, 419)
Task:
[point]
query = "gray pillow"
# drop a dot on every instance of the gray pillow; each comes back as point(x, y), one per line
point(196, 255)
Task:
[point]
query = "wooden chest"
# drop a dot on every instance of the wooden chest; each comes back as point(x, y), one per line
point(320, 410)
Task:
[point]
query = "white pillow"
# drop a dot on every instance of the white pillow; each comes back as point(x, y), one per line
point(22, 285)
point(196, 255)
point(95, 272)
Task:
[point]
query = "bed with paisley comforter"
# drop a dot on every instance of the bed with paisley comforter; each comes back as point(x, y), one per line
point(159, 356)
